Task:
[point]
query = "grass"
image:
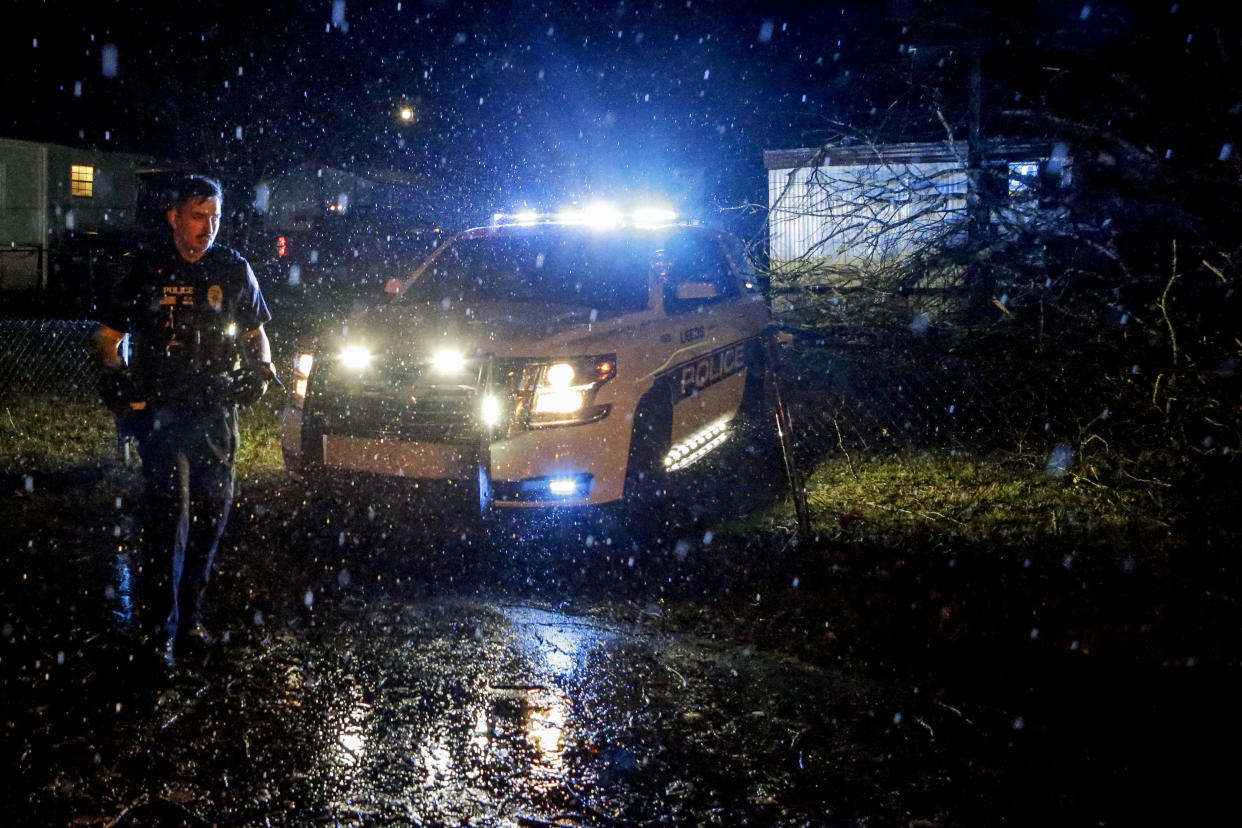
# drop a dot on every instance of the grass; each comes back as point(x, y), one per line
point(979, 499)
point(52, 434)
point(61, 434)
point(259, 456)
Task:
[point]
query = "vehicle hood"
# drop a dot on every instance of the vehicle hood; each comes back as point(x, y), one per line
point(502, 329)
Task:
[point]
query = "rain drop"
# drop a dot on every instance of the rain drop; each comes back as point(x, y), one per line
point(108, 60)
point(308, 599)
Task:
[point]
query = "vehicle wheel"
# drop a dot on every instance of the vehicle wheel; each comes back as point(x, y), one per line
point(646, 481)
point(756, 417)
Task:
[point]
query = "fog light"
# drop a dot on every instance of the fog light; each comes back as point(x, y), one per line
point(562, 486)
point(489, 410)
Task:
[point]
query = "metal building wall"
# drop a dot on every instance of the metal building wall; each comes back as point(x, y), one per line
point(847, 215)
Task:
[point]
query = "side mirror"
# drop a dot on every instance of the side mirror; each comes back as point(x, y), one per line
point(392, 286)
point(697, 290)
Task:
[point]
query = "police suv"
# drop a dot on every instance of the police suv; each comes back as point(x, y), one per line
point(566, 362)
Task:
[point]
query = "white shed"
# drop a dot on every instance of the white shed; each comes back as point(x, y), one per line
point(845, 206)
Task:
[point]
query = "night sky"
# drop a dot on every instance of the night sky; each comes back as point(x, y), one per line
point(546, 102)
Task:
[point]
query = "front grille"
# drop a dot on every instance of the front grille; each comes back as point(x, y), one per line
point(404, 398)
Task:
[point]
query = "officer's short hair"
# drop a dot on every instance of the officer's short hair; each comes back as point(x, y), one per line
point(195, 187)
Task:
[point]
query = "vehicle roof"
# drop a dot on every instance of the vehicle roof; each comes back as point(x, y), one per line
point(656, 233)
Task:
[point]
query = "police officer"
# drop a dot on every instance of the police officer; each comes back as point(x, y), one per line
point(195, 316)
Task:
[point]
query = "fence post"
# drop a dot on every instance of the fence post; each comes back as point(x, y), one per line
point(784, 430)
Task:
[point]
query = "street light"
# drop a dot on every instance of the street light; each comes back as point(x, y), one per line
point(406, 113)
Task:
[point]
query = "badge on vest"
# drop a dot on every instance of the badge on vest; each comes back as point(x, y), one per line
point(215, 297)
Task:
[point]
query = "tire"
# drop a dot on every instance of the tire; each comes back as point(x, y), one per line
point(646, 481)
point(756, 417)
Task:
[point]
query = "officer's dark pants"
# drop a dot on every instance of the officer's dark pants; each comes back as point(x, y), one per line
point(188, 460)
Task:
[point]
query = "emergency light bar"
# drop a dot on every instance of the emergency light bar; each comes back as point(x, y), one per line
point(601, 215)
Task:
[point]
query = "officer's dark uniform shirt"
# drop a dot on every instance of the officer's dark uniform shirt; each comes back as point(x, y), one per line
point(186, 321)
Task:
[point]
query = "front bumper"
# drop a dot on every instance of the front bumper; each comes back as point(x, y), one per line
point(576, 465)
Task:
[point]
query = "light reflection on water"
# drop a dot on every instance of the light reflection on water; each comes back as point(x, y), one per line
point(556, 649)
point(450, 737)
point(556, 646)
point(436, 758)
point(544, 724)
point(350, 748)
point(121, 589)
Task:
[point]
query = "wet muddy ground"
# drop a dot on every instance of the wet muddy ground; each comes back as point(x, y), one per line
point(404, 665)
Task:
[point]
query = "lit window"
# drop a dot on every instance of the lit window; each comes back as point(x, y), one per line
point(81, 181)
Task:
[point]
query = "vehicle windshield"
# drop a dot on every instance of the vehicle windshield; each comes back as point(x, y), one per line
point(607, 273)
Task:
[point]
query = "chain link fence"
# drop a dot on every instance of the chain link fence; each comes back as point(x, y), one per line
point(859, 391)
point(47, 357)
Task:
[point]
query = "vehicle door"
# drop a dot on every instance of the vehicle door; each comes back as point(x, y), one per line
point(706, 318)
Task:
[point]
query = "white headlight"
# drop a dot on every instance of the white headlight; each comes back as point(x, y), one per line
point(558, 401)
point(448, 361)
point(560, 375)
point(356, 357)
point(489, 410)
